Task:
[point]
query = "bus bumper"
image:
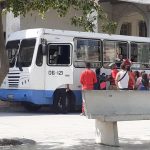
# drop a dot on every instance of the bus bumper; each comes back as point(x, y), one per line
point(34, 96)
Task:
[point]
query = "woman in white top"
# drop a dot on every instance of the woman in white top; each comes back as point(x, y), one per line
point(122, 78)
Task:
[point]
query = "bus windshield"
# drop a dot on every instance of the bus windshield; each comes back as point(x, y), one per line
point(12, 49)
point(25, 54)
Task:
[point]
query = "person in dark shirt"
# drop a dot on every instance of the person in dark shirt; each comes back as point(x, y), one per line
point(101, 80)
point(97, 84)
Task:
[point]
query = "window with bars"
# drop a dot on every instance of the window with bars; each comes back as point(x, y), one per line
point(142, 29)
point(126, 29)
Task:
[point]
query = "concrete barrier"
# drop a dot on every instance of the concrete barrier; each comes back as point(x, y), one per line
point(109, 106)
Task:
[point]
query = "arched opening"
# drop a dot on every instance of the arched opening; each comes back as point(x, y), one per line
point(133, 24)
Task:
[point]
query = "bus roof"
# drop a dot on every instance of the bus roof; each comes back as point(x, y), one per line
point(23, 34)
point(96, 35)
point(33, 33)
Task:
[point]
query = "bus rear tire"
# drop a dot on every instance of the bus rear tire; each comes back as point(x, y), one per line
point(31, 107)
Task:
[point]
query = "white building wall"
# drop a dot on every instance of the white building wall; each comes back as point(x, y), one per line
point(124, 12)
point(108, 9)
point(52, 21)
point(129, 12)
point(12, 24)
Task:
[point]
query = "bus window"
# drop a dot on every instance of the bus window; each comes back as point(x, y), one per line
point(12, 48)
point(26, 53)
point(59, 54)
point(39, 58)
point(134, 52)
point(114, 51)
point(87, 50)
point(140, 54)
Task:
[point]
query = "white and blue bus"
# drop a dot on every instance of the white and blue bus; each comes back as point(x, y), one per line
point(44, 63)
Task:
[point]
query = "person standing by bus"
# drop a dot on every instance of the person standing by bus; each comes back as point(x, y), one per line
point(101, 80)
point(144, 84)
point(119, 60)
point(131, 83)
point(122, 78)
point(112, 77)
point(138, 81)
point(97, 84)
point(87, 79)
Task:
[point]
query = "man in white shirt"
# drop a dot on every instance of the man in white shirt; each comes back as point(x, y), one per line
point(122, 78)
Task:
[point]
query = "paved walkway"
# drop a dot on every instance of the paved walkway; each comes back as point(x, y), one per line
point(68, 132)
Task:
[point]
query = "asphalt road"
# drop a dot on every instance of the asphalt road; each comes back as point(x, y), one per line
point(67, 132)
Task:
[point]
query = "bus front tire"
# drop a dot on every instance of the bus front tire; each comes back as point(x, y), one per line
point(63, 101)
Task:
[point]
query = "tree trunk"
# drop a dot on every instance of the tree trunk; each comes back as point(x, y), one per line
point(4, 64)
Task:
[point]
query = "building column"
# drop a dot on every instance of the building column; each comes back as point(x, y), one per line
point(134, 28)
point(12, 23)
point(148, 23)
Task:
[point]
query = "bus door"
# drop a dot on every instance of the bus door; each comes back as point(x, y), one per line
point(59, 67)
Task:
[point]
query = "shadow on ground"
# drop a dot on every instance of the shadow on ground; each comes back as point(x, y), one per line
point(134, 144)
point(82, 144)
point(15, 108)
point(125, 144)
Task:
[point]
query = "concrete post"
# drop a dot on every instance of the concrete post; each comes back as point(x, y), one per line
point(106, 133)
point(148, 24)
point(12, 23)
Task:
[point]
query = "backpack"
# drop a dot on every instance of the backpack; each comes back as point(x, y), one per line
point(102, 82)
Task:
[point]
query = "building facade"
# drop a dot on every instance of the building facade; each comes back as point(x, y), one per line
point(132, 17)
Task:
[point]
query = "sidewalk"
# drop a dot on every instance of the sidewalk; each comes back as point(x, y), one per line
point(68, 132)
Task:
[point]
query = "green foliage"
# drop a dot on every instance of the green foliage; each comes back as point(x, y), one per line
point(86, 7)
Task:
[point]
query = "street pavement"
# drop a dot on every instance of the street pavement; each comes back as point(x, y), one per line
point(67, 132)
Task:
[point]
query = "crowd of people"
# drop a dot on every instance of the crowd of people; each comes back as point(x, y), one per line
point(126, 79)
point(122, 79)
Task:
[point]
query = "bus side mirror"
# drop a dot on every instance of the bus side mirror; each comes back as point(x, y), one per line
point(44, 46)
point(44, 49)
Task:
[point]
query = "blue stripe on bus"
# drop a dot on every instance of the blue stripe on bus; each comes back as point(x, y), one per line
point(40, 97)
point(78, 96)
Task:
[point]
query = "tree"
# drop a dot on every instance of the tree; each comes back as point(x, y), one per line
point(4, 65)
point(21, 7)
